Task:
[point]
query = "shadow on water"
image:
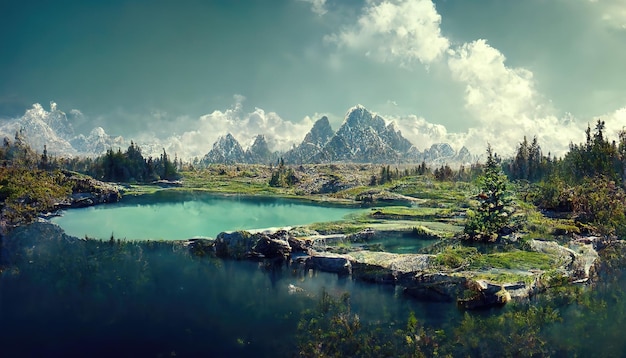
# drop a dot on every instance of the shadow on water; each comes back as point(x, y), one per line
point(62, 296)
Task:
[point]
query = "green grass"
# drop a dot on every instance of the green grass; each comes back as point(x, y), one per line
point(520, 260)
point(428, 188)
point(338, 227)
point(505, 277)
point(411, 213)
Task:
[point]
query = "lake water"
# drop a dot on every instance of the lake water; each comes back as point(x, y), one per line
point(60, 296)
point(172, 215)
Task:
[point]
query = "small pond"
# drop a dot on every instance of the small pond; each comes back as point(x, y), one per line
point(174, 215)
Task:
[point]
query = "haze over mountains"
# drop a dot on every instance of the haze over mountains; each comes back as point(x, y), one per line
point(363, 137)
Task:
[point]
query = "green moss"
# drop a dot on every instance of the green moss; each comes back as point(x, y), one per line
point(505, 277)
point(521, 260)
point(455, 257)
point(337, 227)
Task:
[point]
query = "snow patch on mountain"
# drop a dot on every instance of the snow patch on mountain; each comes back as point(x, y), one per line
point(53, 129)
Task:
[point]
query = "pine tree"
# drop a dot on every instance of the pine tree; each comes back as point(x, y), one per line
point(491, 217)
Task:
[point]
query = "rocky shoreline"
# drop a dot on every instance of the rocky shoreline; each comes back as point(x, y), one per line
point(87, 191)
point(418, 275)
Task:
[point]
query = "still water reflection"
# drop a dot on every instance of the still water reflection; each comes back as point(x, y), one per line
point(173, 215)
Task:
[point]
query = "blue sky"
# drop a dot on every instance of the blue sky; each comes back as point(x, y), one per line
point(185, 71)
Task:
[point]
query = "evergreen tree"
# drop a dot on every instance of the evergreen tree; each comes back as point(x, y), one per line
point(491, 217)
point(44, 164)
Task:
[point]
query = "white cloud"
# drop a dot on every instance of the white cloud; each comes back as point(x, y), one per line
point(501, 100)
point(505, 103)
point(280, 134)
point(419, 131)
point(401, 31)
point(614, 122)
point(317, 6)
point(493, 90)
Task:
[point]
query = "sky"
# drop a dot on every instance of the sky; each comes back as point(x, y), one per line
point(185, 72)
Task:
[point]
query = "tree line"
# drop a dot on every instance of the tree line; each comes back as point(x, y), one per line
point(589, 182)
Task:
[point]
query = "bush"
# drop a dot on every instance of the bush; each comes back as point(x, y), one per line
point(602, 203)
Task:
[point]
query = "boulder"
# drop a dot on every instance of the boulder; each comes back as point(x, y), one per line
point(300, 244)
point(585, 258)
point(88, 191)
point(484, 295)
point(385, 267)
point(565, 256)
point(435, 287)
point(201, 247)
point(236, 245)
point(520, 290)
point(274, 246)
point(330, 262)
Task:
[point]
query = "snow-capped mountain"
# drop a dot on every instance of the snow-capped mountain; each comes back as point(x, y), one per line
point(465, 157)
point(226, 150)
point(54, 130)
point(440, 153)
point(364, 137)
point(97, 142)
point(312, 144)
point(259, 151)
point(41, 128)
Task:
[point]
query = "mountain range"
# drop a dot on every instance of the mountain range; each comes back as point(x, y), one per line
point(54, 130)
point(363, 137)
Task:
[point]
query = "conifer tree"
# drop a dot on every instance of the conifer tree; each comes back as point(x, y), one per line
point(491, 217)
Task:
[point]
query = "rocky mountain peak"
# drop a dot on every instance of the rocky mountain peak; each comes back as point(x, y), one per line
point(359, 118)
point(364, 137)
point(320, 133)
point(226, 150)
point(259, 151)
point(464, 156)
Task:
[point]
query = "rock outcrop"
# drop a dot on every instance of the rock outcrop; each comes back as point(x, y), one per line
point(242, 245)
point(274, 246)
point(485, 295)
point(87, 191)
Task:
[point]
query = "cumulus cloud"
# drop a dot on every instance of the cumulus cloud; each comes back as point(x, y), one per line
point(244, 126)
point(614, 121)
point(504, 101)
point(493, 90)
point(317, 6)
point(401, 31)
point(501, 101)
point(419, 131)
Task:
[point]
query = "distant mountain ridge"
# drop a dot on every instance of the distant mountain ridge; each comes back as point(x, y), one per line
point(54, 130)
point(363, 137)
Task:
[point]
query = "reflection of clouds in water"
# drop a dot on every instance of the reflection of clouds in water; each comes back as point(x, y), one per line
point(149, 218)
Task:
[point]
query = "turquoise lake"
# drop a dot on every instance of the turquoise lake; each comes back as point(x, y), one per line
point(62, 296)
point(170, 215)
